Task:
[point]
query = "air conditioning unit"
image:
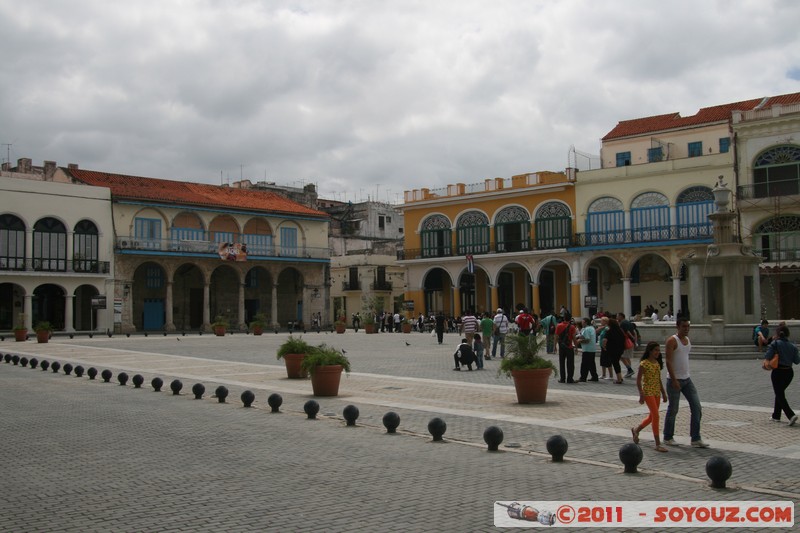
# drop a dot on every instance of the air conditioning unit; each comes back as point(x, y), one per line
point(125, 244)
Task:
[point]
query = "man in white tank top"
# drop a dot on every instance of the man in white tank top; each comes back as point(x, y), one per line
point(679, 382)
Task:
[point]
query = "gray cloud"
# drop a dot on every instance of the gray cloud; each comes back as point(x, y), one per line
point(368, 98)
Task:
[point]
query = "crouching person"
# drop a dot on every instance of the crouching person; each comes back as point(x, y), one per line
point(464, 355)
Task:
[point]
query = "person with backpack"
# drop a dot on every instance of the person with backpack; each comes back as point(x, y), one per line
point(464, 355)
point(499, 335)
point(525, 322)
point(761, 335)
point(782, 374)
point(565, 333)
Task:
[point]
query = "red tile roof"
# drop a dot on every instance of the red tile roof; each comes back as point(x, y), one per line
point(191, 194)
point(706, 115)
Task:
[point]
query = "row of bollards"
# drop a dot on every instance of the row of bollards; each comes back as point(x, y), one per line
point(718, 468)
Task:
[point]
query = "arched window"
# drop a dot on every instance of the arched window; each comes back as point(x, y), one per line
point(84, 247)
point(776, 172)
point(49, 245)
point(650, 217)
point(553, 224)
point(12, 243)
point(512, 229)
point(778, 239)
point(692, 209)
point(436, 236)
point(605, 222)
point(472, 233)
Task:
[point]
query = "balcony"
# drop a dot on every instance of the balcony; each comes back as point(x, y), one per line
point(769, 189)
point(351, 286)
point(381, 286)
point(69, 266)
point(125, 244)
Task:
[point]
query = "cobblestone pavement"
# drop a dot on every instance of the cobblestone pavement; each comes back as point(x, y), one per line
point(84, 455)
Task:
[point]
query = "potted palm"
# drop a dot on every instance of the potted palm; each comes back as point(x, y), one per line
point(405, 325)
point(325, 364)
point(369, 323)
point(43, 330)
point(219, 326)
point(529, 370)
point(293, 351)
point(258, 323)
point(340, 324)
point(20, 331)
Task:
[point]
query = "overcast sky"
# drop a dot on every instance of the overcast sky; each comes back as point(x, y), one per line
point(368, 98)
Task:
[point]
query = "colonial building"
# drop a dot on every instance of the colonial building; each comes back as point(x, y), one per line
point(188, 254)
point(56, 251)
point(620, 238)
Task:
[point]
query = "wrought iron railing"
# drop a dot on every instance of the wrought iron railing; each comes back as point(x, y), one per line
point(769, 189)
point(381, 286)
point(181, 246)
point(351, 285)
point(77, 266)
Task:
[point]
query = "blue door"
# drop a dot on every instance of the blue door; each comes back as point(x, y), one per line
point(153, 314)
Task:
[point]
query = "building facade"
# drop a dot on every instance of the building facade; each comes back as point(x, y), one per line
point(187, 254)
point(56, 251)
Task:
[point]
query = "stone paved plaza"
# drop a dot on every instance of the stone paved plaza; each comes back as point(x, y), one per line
point(83, 455)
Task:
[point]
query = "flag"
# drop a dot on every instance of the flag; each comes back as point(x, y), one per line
point(470, 264)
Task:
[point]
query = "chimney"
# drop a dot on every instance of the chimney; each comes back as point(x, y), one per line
point(49, 170)
point(24, 165)
point(72, 166)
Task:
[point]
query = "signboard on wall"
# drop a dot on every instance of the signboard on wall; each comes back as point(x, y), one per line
point(99, 301)
point(590, 301)
point(408, 304)
point(232, 251)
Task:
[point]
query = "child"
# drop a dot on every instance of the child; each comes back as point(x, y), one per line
point(651, 389)
point(477, 346)
point(464, 355)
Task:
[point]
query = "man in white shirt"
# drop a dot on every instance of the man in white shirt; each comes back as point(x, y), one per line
point(470, 325)
point(500, 330)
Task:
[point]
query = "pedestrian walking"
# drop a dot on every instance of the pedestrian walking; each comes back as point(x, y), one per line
point(679, 382)
point(587, 337)
point(500, 331)
point(565, 333)
point(651, 390)
point(783, 374)
point(469, 325)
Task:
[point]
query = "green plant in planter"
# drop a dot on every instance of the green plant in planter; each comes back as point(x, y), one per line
point(20, 325)
point(220, 322)
point(369, 318)
point(43, 325)
point(522, 353)
point(259, 321)
point(324, 355)
point(294, 345)
point(341, 321)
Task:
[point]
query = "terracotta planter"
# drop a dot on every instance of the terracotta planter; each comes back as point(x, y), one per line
point(258, 330)
point(20, 335)
point(340, 328)
point(531, 385)
point(293, 362)
point(325, 380)
point(369, 328)
point(43, 336)
point(219, 331)
point(406, 327)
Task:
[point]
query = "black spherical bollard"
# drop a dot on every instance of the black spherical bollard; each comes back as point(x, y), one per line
point(175, 386)
point(557, 447)
point(55, 367)
point(157, 383)
point(33, 362)
point(350, 414)
point(248, 398)
point(391, 421)
point(198, 389)
point(493, 437)
point(311, 408)
point(68, 369)
point(23, 361)
point(92, 372)
point(122, 378)
point(138, 380)
point(631, 455)
point(45, 365)
point(106, 375)
point(7, 358)
point(437, 427)
point(15, 359)
point(719, 469)
point(274, 401)
point(79, 371)
point(127, 335)
point(221, 393)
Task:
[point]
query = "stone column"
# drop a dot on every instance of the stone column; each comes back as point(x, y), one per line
point(242, 321)
point(676, 295)
point(536, 305)
point(626, 296)
point(206, 306)
point(495, 298)
point(28, 310)
point(169, 298)
point(575, 298)
point(274, 306)
point(69, 318)
point(456, 302)
point(583, 294)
